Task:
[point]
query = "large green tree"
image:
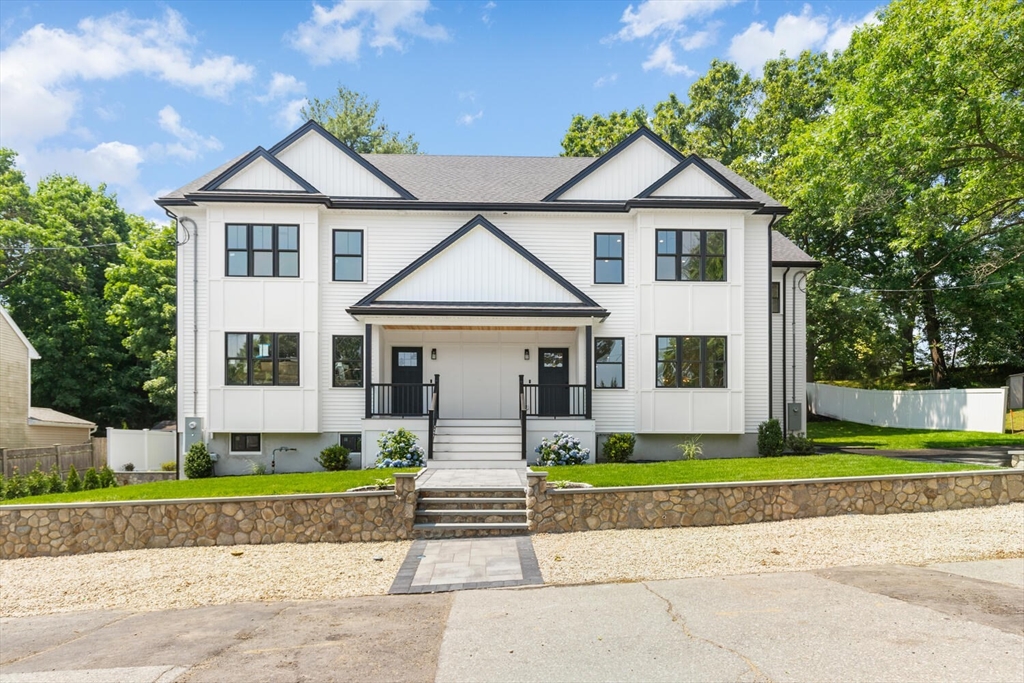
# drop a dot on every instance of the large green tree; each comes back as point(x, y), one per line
point(353, 119)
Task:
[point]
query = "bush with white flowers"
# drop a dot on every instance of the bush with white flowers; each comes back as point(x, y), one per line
point(398, 449)
point(562, 449)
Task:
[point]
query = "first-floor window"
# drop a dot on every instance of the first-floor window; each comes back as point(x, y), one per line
point(776, 297)
point(609, 363)
point(348, 361)
point(691, 362)
point(353, 442)
point(261, 359)
point(245, 443)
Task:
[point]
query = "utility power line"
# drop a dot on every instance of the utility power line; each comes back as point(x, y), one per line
point(866, 290)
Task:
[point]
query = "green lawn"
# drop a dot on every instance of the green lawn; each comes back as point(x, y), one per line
point(743, 469)
point(887, 438)
point(215, 487)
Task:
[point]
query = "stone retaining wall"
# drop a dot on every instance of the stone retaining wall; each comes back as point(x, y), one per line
point(647, 507)
point(35, 530)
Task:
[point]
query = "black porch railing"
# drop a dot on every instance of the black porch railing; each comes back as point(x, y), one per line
point(555, 400)
point(400, 400)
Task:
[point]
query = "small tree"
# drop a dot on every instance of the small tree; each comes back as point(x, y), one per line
point(56, 483)
point(107, 480)
point(92, 480)
point(36, 483)
point(333, 458)
point(619, 447)
point(74, 482)
point(769, 438)
point(198, 463)
point(15, 486)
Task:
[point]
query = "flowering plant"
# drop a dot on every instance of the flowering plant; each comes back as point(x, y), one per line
point(398, 449)
point(562, 449)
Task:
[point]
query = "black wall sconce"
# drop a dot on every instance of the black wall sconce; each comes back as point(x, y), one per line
point(433, 354)
point(526, 354)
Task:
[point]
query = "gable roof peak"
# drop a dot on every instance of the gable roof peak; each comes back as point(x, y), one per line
point(251, 157)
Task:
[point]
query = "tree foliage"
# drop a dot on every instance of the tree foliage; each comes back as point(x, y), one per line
point(352, 118)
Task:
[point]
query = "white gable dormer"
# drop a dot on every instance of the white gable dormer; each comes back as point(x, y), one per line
point(259, 171)
point(623, 172)
point(694, 178)
point(332, 167)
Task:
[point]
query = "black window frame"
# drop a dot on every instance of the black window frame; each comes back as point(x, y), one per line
point(245, 447)
point(620, 363)
point(335, 255)
point(274, 353)
point(335, 361)
point(276, 250)
point(703, 256)
point(621, 258)
point(357, 436)
point(776, 297)
point(702, 362)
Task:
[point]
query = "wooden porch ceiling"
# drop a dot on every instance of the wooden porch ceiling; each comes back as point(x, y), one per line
point(478, 327)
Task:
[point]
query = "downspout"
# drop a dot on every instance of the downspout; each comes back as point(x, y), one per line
point(782, 306)
point(771, 322)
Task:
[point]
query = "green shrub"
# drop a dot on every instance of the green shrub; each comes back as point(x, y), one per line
point(56, 483)
point(619, 447)
point(398, 449)
point(169, 466)
point(15, 486)
point(198, 464)
point(107, 480)
point(691, 449)
point(36, 482)
point(333, 458)
point(769, 438)
point(800, 444)
point(74, 482)
point(91, 481)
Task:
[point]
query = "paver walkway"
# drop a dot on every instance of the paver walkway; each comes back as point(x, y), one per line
point(435, 566)
point(454, 478)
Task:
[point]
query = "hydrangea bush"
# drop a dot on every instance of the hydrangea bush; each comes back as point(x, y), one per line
point(398, 449)
point(562, 449)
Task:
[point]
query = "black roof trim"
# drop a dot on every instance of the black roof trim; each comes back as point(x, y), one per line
point(694, 160)
point(796, 264)
point(446, 309)
point(316, 127)
point(617, 206)
point(258, 153)
point(477, 220)
point(641, 132)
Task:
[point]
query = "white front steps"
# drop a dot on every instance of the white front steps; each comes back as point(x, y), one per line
point(477, 444)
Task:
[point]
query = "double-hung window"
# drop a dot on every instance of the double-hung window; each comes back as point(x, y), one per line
point(348, 361)
point(691, 255)
point(776, 297)
point(609, 363)
point(609, 258)
point(262, 250)
point(261, 359)
point(348, 255)
point(691, 362)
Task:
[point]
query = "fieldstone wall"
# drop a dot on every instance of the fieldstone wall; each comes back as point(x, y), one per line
point(553, 510)
point(35, 530)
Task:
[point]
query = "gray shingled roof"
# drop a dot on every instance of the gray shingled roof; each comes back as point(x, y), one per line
point(202, 180)
point(786, 253)
point(751, 190)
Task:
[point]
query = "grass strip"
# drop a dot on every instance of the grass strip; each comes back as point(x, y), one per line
point(856, 435)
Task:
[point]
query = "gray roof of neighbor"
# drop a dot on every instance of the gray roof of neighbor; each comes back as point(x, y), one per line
point(785, 253)
point(55, 417)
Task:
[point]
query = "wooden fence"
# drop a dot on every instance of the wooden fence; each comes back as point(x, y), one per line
point(82, 456)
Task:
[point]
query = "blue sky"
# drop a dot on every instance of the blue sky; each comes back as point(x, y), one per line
point(146, 96)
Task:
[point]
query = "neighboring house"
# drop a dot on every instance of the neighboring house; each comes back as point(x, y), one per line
point(342, 294)
point(21, 424)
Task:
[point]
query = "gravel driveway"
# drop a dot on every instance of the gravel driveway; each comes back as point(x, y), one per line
point(146, 580)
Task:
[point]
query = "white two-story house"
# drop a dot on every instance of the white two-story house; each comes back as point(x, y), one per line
point(482, 303)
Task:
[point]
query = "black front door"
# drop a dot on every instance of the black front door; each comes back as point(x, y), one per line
point(553, 378)
point(406, 381)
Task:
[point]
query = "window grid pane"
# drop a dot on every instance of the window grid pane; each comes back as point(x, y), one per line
point(699, 255)
point(262, 359)
point(348, 255)
point(609, 369)
point(691, 362)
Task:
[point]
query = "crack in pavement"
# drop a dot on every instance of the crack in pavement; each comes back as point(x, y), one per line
point(677, 618)
point(8, 662)
point(239, 637)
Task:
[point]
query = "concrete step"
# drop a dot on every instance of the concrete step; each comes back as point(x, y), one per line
point(471, 513)
point(477, 423)
point(477, 447)
point(475, 431)
point(471, 526)
point(466, 500)
point(511, 493)
point(499, 461)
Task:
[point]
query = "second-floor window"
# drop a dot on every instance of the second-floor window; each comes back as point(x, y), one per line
point(691, 255)
point(261, 359)
point(608, 258)
point(348, 255)
point(262, 250)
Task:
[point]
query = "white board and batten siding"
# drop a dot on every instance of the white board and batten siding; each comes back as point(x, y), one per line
point(692, 182)
point(625, 175)
point(261, 175)
point(330, 170)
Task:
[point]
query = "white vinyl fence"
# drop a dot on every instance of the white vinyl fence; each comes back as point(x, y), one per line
point(140, 447)
point(969, 410)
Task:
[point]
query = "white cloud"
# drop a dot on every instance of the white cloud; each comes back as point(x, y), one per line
point(486, 16)
point(290, 115)
point(606, 80)
point(469, 119)
point(664, 58)
point(190, 144)
point(282, 85)
point(792, 34)
point(658, 17)
point(338, 33)
point(701, 39)
point(38, 97)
